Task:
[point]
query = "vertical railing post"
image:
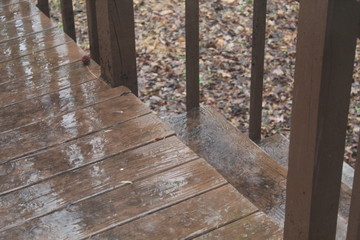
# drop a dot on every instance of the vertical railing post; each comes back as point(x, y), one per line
point(257, 68)
point(115, 19)
point(43, 5)
point(192, 53)
point(67, 15)
point(92, 30)
point(323, 76)
point(353, 232)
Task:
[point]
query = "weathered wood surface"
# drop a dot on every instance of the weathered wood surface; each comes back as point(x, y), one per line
point(251, 227)
point(80, 159)
point(196, 216)
point(31, 44)
point(247, 167)
point(67, 16)
point(40, 61)
point(56, 103)
point(18, 10)
point(41, 83)
point(325, 55)
point(24, 26)
point(8, 2)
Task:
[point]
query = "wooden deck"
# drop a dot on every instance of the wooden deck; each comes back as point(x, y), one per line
point(82, 160)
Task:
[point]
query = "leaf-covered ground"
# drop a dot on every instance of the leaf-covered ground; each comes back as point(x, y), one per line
point(225, 43)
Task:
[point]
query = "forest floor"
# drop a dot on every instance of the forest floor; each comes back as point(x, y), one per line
point(225, 50)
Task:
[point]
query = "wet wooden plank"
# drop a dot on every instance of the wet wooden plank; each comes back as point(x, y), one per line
point(57, 103)
point(24, 26)
point(49, 132)
point(17, 11)
point(42, 83)
point(31, 44)
point(255, 227)
point(123, 204)
point(40, 62)
point(247, 167)
point(187, 219)
point(129, 135)
point(92, 180)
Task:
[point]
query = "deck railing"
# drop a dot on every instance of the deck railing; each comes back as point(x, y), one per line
point(327, 35)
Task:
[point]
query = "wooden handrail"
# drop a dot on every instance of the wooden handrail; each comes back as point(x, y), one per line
point(115, 24)
point(192, 53)
point(353, 232)
point(257, 68)
point(323, 76)
point(43, 5)
point(67, 15)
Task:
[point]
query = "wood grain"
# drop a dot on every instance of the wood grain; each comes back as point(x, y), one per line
point(83, 218)
point(187, 219)
point(57, 103)
point(92, 148)
point(40, 62)
point(24, 26)
point(17, 11)
point(49, 132)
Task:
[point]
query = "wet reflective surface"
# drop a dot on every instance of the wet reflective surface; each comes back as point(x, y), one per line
point(17, 11)
point(79, 159)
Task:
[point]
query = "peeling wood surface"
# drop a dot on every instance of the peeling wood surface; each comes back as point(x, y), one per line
point(80, 159)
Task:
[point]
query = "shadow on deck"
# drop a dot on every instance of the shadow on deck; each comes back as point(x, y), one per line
point(83, 160)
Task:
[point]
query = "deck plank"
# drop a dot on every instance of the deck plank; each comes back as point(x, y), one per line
point(122, 204)
point(255, 227)
point(42, 165)
point(24, 26)
point(32, 44)
point(57, 103)
point(40, 62)
point(187, 219)
point(47, 133)
point(17, 11)
point(8, 2)
point(42, 83)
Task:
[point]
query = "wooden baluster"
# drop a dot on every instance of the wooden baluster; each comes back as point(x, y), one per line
point(323, 76)
point(67, 15)
point(92, 29)
point(43, 5)
point(192, 53)
point(257, 69)
point(115, 20)
point(353, 232)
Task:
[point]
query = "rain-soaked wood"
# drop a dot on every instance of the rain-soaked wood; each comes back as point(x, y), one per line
point(42, 83)
point(8, 2)
point(249, 169)
point(192, 217)
point(31, 44)
point(43, 5)
point(17, 11)
point(255, 227)
point(111, 174)
point(49, 132)
point(29, 25)
point(257, 69)
point(323, 77)
point(40, 62)
point(96, 147)
point(92, 30)
point(115, 21)
point(123, 204)
point(57, 103)
point(192, 53)
point(67, 16)
point(354, 218)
